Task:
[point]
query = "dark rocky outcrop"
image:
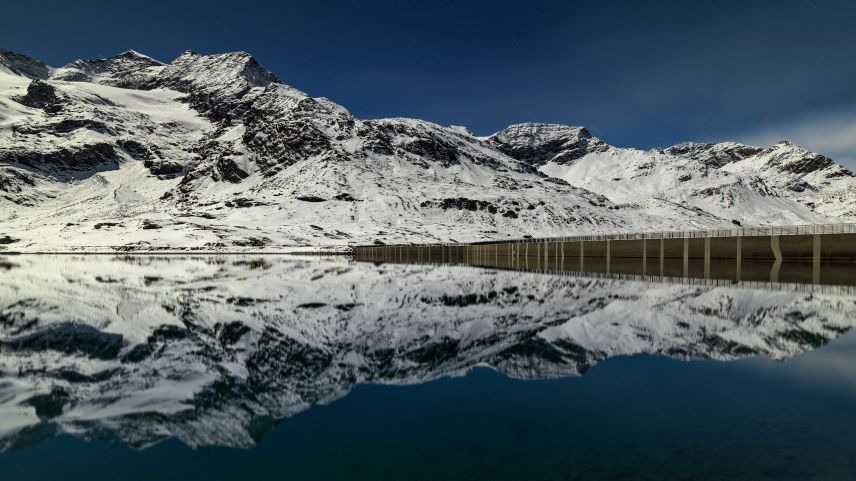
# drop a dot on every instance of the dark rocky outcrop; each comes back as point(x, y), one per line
point(537, 144)
point(713, 155)
point(462, 203)
point(63, 127)
point(85, 157)
point(136, 150)
point(42, 95)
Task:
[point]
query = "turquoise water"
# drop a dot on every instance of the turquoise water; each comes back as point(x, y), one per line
point(648, 415)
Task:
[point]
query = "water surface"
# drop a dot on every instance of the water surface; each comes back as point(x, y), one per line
point(324, 368)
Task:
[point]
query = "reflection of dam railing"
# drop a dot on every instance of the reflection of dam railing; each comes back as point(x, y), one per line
point(788, 285)
point(776, 286)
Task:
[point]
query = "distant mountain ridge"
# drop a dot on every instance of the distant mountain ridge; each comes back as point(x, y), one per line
point(782, 184)
point(214, 152)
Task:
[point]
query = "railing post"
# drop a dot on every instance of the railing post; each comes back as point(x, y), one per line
point(815, 260)
point(644, 257)
point(739, 256)
point(607, 256)
point(707, 257)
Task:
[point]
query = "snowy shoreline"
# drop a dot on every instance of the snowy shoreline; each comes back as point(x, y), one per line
point(314, 251)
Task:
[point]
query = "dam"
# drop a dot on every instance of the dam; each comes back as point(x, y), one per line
point(808, 254)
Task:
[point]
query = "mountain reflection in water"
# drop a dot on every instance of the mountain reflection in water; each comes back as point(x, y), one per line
point(216, 350)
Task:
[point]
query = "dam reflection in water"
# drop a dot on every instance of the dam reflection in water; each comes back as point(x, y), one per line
point(536, 258)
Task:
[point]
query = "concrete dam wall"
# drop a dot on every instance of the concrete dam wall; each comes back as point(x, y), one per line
point(777, 255)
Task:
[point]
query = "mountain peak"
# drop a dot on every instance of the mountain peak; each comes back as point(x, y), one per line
point(187, 54)
point(220, 85)
point(221, 69)
point(538, 143)
point(18, 64)
point(134, 54)
point(534, 132)
point(788, 156)
point(129, 69)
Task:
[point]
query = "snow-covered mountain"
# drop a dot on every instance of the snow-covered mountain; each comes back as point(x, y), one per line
point(217, 350)
point(783, 184)
point(214, 152)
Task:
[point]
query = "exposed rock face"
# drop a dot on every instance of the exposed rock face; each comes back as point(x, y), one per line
point(220, 86)
point(84, 157)
point(538, 144)
point(14, 181)
point(127, 139)
point(714, 155)
point(284, 126)
point(42, 95)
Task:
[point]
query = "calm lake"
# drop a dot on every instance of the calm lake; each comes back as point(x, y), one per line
point(280, 367)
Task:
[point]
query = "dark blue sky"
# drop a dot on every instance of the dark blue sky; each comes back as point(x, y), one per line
point(637, 73)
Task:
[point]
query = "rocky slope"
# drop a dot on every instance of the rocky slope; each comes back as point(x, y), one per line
point(783, 184)
point(217, 350)
point(214, 152)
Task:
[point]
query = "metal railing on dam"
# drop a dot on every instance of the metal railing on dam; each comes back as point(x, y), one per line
point(818, 254)
point(808, 229)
